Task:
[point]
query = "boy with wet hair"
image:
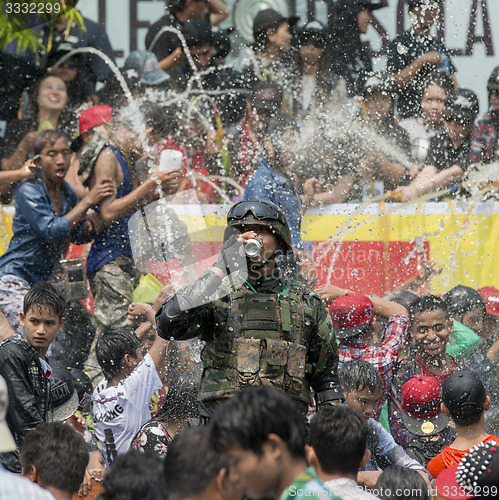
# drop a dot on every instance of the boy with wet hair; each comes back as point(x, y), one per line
point(120, 402)
point(337, 437)
point(24, 366)
point(430, 328)
point(262, 434)
point(186, 478)
point(465, 401)
point(48, 212)
point(362, 387)
point(55, 457)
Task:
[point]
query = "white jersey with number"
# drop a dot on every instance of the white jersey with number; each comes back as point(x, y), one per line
point(118, 412)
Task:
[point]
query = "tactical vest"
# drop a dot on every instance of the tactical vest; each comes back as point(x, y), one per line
point(263, 342)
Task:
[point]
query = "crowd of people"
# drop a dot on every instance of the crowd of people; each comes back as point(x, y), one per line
point(249, 381)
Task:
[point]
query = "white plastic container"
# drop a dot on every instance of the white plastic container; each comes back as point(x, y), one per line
point(170, 159)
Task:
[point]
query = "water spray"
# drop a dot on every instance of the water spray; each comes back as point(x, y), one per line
point(106, 59)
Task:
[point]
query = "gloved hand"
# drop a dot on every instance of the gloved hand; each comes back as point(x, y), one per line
point(232, 257)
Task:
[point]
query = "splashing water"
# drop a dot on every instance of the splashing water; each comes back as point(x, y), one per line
point(106, 59)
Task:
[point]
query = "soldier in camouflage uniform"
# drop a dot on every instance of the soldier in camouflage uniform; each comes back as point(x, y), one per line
point(268, 329)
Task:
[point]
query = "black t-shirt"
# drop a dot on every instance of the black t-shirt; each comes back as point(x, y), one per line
point(167, 41)
point(442, 154)
point(16, 74)
point(402, 51)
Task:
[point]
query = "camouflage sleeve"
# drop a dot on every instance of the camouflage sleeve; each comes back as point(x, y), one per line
point(323, 349)
point(187, 314)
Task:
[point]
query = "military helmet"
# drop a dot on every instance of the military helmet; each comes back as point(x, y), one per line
point(462, 299)
point(493, 83)
point(261, 213)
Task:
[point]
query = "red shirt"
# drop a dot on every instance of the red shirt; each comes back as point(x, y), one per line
point(439, 376)
point(449, 457)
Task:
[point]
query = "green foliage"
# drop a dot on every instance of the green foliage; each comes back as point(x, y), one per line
point(13, 27)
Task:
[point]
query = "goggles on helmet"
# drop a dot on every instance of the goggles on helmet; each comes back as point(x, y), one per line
point(260, 211)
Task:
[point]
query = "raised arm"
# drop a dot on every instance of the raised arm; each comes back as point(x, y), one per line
point(405, 75)
point(381, 307)
point(218, 12)
point(113, 209)
point(429, 180)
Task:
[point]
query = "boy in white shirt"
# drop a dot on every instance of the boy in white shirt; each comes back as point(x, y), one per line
point(120, 402)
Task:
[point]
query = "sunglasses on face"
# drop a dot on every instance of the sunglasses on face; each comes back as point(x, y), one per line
point(71, 64)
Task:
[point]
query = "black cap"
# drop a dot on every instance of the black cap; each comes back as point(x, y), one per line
point(269, 18)
point(63, 393)
point(461, 106)
point(266, 96)
point(380, 82)
point(313, 29)
point(462, 299)
point(405, 298)
point(463, 394)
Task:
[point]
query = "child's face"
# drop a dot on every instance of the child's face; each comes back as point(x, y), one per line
point(364, 401)
point(41, 325)
point(432, 105)
point(55, 161)
point(252, 474)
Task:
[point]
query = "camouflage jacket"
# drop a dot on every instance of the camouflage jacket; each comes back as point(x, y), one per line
point(267, 332)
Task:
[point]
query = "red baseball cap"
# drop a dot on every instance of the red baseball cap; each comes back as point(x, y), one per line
point(350, 313)
point(94, 116)
point(421, 406)
point(90, 118)
point(491, 297)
